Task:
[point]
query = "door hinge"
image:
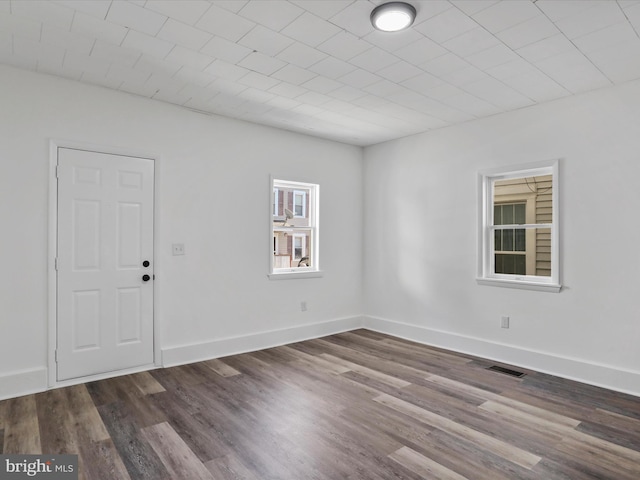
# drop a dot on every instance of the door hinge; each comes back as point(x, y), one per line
point(56, 354)
point(56, 263)
point(57, 171)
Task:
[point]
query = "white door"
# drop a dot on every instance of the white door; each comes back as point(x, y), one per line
point(104, 263)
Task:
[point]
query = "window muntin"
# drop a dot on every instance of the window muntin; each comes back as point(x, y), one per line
point(294, 228)
point(518, 226)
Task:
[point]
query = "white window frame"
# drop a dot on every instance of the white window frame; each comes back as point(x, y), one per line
point(486, 267)
point(276, 196)
point(313, 229)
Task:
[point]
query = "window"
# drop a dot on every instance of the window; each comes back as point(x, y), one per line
point(518, 227)
point(294, 229)
point(300, 203)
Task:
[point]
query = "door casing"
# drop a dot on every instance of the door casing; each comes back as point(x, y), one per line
point(52, 252)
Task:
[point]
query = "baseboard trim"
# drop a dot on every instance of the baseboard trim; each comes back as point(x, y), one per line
point(24, 382)
point(605, 376)
point(197, 352)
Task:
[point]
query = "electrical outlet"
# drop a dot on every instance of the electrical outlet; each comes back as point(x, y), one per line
point(504, 322)
point(303, 306)
point(178, 248)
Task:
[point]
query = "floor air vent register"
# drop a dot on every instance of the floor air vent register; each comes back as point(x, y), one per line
point(506, 371)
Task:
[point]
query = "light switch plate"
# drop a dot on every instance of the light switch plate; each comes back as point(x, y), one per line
point(178, 248)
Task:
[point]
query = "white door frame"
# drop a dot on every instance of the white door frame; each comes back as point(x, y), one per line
point(53, 248)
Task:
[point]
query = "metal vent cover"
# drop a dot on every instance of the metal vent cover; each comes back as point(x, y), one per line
point(506, 371)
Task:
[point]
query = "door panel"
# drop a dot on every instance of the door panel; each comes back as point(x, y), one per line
point(105, 232)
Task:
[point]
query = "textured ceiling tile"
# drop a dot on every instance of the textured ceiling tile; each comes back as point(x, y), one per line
point(617, 34)
point(559, 9)
point(322, 84)
point(292, 74)
point(274, 14)
point(355, 18)
point(68, 40)
point(528, 32)
point(258, 80)
point(186, 11)
point(332, 67)
point(226, 50)
point(444, 64)
point(226, 70)
point(374, 59)
point(259, 62)
point(447, 25)
point(573, 71)
point(98, 28)
point(471, 42)
point(224, 24)
point(473, 6)
point(395, 41)
point(147, 44)
point(549, 47)
point(359, 78)
point(323, 8)
point(183, 34)
point(503, 15)
point(400, 71)
point(288, 90)
point(188, 57)
point(301, 55)
point(421, 51)
point(113, 53)
point(132, 16)
point(344, 46)
point(492, 57)
point(266, 41)
point(23, 27)
point(310, 30)
point(95, 8)
point(601, 15)
point(41, 10)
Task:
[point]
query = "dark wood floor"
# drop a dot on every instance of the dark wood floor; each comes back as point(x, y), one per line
point(357, 405)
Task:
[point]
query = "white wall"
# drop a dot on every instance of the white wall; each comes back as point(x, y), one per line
point(420, 239)
point(213, 194)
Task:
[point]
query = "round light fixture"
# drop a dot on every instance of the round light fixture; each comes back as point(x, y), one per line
point(393, 16)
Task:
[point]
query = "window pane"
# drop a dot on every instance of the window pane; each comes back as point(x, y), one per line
point(520, 240)
point(520, 191)
point(497, 214)
point(497, 240)
point(507, 215)
point(507, 240)
point(510, 264)
point(292, 247)
point(543, 252)
point(519, 213)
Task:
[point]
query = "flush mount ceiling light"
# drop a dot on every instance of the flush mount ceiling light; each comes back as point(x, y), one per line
point(393, 16)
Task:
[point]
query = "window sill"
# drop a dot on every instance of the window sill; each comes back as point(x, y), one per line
point(520, 284)
point(290, 275)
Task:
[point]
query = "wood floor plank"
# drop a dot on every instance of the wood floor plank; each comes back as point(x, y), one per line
point(229, 467)
point(221, 368)
point(140, 460)
point(368, 372)
point(509, 452)
point(175, 455)
point(423, 466)
point(21, 429)
point(87, 420)
point(146, 383)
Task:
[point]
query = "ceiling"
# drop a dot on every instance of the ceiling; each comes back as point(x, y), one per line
point(319, 67)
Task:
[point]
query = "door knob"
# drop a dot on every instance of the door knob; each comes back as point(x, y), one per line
point(146, 278)
point(145, 263)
